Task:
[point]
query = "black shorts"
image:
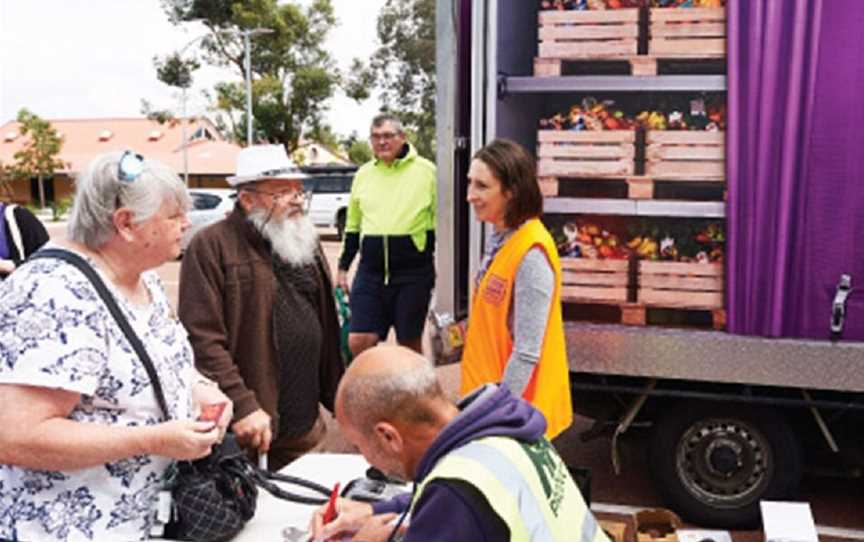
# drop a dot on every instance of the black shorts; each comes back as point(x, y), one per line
point(376, 306)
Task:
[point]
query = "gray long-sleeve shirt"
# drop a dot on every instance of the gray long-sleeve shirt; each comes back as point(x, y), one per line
point(532, 301)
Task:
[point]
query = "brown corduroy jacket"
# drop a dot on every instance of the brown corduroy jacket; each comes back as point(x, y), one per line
point(227, 288)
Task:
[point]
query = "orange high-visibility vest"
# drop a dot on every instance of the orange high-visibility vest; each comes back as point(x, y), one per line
point(489, 343)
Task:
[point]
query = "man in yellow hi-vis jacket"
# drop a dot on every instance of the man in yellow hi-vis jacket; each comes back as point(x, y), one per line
point(391, 221)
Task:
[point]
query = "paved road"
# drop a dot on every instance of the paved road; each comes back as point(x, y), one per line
point(836, 502)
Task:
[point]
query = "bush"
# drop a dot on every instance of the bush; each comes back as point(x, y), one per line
point(59, 208)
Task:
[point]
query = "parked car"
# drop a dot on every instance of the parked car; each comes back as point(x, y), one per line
point(209, 205)
point(329, 188)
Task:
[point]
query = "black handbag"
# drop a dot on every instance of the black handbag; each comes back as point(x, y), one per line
point(213, 497)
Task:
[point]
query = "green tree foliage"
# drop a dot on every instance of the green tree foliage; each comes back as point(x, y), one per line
point(324, 134)
point(359, 152)
point(404, 67)
point(159, 115)
point(38, 157)
point(176, 71)
point(5, 181)
point(293, 75)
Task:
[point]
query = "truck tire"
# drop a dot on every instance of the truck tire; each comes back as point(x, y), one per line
point(713, 463)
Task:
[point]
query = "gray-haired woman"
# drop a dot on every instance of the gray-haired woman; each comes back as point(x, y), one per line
point(83, 444)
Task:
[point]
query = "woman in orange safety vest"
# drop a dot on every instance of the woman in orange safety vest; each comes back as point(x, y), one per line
point(515, 331)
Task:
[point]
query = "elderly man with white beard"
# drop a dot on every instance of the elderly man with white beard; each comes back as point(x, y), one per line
point(257, 300)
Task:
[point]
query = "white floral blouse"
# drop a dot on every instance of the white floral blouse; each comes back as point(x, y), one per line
point(56, 332)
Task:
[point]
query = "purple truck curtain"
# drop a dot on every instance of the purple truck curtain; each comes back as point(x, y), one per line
point(795, 165)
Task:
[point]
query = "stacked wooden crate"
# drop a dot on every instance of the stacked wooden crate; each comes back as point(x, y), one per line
point(673, 34)
point(583, 154)
point(682, 156)
point(670, 157)
point(681, 285)
point(586, 280)
point(687, 33)
point(585, 35)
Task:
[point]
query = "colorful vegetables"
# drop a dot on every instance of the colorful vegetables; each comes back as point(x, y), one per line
point(590, 115)
point(584, 5)
point(671, 241)
point(590, 240)
point(594, 114)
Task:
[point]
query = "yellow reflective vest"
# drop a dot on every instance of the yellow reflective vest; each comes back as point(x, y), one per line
point(526, 484)
point(489, 342)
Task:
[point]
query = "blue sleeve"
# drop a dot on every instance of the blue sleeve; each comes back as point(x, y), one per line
point(397, 504)
point(443, 513)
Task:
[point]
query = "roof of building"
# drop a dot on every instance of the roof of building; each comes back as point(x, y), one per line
point(315, 153)
point(208, 152)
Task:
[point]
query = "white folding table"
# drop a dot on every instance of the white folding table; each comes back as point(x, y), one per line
point(275, 515)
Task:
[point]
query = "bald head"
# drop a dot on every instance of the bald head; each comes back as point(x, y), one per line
point(389, 383)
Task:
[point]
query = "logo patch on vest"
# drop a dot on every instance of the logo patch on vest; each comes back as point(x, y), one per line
point(495, 289)
point(550, 469)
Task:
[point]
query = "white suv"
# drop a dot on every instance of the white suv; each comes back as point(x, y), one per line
point(209, 205)
point(329, 188)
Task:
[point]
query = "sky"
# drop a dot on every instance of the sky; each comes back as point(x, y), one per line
point(65, 59)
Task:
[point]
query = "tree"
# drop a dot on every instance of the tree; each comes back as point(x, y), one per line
point(5, 180)
point(38, 157)
point(293, 76)
point(404, 67)
point(161, 116)
point(359, 152)
point(176, 71)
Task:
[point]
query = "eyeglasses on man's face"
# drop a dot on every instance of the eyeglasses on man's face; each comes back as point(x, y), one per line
point(383, 136)
point(130, 167)
point(288, 193)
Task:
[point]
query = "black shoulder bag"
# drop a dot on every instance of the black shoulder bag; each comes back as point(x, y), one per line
point(213, 497)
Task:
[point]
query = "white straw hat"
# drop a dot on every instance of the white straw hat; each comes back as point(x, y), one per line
point(259, 162)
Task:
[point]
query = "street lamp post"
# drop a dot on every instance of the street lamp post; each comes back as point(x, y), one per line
point(247, 46)
point(183, 136)
point(247, 49)
point(183, 120)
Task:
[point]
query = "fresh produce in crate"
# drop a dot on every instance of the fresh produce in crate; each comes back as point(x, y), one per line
point(712, 238)
point(652, 120)
point(585, 5)
point(591, 241)
point(686, 3)
point(713, 233)
point(645, 248)
point(699, 117)
point(685, 242)
point(708, 114)
point(589, 115)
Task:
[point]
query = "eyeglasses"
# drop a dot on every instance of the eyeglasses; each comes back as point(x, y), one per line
point(383, 136)
point(289, 193)
point(130, 167)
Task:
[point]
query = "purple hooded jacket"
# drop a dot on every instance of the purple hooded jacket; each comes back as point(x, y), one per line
point(453, 509)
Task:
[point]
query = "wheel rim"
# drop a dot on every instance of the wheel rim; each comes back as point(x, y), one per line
point(725, 463)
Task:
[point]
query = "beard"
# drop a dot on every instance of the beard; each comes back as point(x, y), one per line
point(294, 240)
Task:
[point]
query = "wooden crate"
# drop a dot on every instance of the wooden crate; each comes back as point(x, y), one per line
point(656, 525)
point(615, 530)
point(687, 32)
point(548, 186)
point(584, 35)
point(637, 187)
point(685, 155)
point(586, 280)
point(680, 285)
point(565, 153)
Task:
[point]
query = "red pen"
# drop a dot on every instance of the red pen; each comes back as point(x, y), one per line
point(330, 513)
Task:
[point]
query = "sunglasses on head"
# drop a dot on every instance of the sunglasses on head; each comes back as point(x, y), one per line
point(130, 167)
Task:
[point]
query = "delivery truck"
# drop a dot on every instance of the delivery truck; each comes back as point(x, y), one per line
point(680, 315)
